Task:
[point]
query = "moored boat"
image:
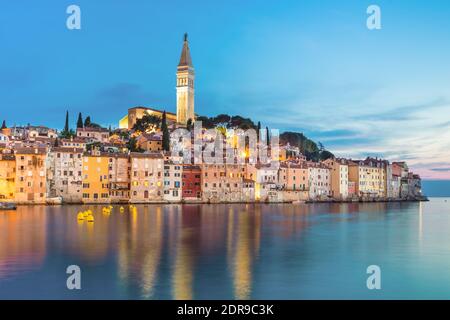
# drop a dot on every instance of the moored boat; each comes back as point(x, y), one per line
point(7, 206)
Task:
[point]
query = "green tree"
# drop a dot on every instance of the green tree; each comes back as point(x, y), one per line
point(165, 132)
point(67, 134)
point(4, 124)
point(80, 121)
point(132, 145)
point(258, 129)
point(56, 143)
point(189, 124)
point(147, 123)
point(87, 121)
point(267, 136)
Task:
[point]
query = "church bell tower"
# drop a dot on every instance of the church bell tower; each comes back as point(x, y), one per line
point(185, 85)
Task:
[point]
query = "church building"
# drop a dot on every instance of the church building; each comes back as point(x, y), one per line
point(185, 95)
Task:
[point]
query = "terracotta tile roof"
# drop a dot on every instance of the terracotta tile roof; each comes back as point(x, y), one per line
point(30, 150)
point(67, 149)
point(146, 155)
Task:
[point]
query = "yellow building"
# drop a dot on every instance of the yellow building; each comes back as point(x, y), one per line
point(96, 179)
point(339, 177)
point(7, 177)
point(369, 176)
point(136, 113)
point(30, 182)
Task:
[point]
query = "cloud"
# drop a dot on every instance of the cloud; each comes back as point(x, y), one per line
point(440, 169)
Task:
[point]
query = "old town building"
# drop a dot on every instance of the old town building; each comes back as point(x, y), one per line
point(119, 177)
point(147, 180)
point(95, 179)
point(172, 181)
point(64, 174)
point(31, 181)
point(339, 177)
point(191, 183)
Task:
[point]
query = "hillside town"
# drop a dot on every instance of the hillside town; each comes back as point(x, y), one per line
point(135, 163)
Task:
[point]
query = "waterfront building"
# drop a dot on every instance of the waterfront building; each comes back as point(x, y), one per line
point(119, 177)
point(369, 176)
point(172, 181)
point(222, 182)
point(146, 177)
point(319, 180)
point(293, 176)
point(93, 134)
point(95, 178)
point(248, 190)
point(191, 183)
point(7, 177)
point(339, 177)
point(401, 171)
point(64, 174)
point(30, 182)
point(352, 189)
point(398, 171)
point(390, 183)
point(266, 181)
point(414, 185)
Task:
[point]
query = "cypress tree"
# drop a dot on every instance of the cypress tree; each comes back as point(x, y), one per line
point(258, 129)
point(4, 124)
point(87, 121)
point(80, 121)
point(165, 132)
point(66, 126)
point(189, 124)
point(267, 136)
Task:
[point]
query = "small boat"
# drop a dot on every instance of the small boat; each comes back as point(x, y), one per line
point(7, 206)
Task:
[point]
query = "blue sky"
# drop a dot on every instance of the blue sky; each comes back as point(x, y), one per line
point(309, 66)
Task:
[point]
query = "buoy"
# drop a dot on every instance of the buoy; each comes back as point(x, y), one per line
point(90, 219)
point(80, 216)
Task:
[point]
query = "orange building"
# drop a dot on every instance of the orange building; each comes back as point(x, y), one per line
point(30, 183)
point(7, 177)
point(96, 179)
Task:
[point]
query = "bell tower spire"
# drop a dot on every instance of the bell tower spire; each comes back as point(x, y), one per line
point(185, 85)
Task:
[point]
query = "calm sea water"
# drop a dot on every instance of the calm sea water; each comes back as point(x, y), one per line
point(277, 251)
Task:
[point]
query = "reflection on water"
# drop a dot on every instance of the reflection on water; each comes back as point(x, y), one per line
point(239, 251)
point(23, 241)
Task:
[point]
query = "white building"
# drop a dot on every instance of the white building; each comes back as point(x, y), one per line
point(319, 181)
point(172, 181)
point(64, 174)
